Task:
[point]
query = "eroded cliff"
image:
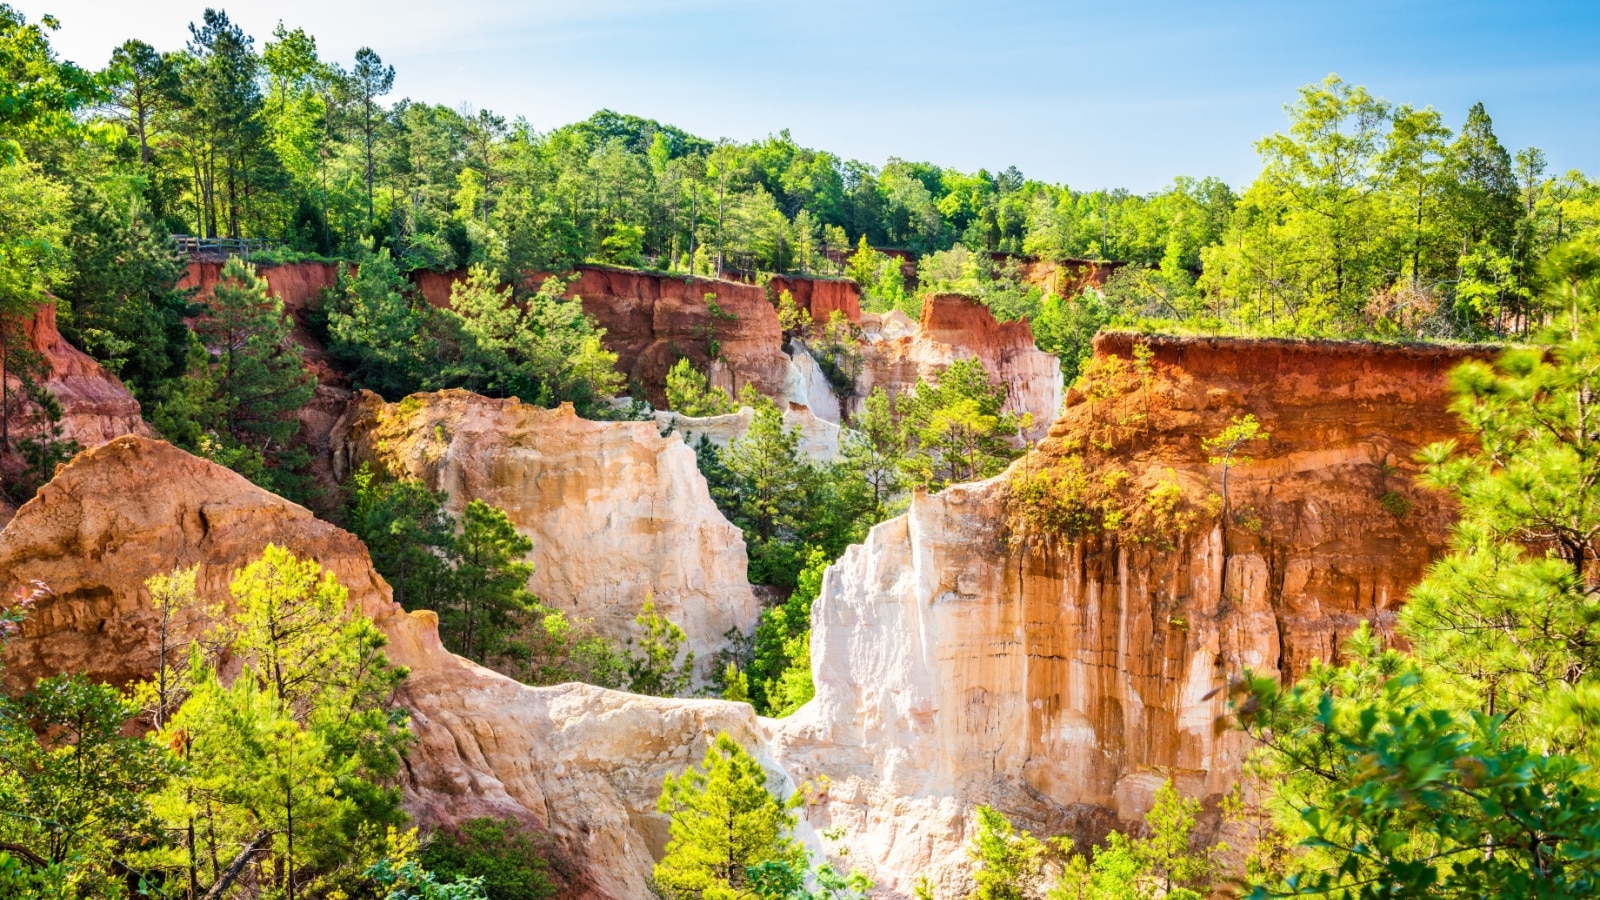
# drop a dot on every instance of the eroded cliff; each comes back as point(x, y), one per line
point(615, 510)
point(963, 657)
point(583, 762)
point(95, 406)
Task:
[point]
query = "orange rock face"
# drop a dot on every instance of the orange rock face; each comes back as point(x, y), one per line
point(95, 406)
point(821, 296)
point(954, 328)
point(653, 320)
point(961, 658)
point(582, 762)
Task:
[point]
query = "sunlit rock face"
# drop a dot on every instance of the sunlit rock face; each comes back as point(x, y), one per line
point(616, 512)
point(961, 660)
point(954, 328)
point(583, 763)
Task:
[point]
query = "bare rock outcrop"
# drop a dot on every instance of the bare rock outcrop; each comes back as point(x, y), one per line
point(807, 385)
point(954, 328)
point(582, 762)
point(95, 406)
point(615, 510)
point(960, 659)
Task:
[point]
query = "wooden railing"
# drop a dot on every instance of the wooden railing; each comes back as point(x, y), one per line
point(195, 246)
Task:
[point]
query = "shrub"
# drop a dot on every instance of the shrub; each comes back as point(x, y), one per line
point(513, 863)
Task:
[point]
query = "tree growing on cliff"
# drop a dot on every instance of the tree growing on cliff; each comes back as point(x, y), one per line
point(767, 494)
point(247, 382)
point(654, 668)
point(779, 672)
point(956, 429)
point(491, 592)
point(723, 823)
point(376, 330)
point(541, 347)
point(1008, 861)
point(1225, 447)
point(690, 394)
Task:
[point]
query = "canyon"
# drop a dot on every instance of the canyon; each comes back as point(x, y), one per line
point(961, 659)
point(651, 320)
point(963, 654)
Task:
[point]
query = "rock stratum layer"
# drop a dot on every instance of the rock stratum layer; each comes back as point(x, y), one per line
point(615, 510)
point(955, 328)
point(961, 661)
point(582, 762)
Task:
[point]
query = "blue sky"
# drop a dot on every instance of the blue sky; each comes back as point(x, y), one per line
point(1091, 94)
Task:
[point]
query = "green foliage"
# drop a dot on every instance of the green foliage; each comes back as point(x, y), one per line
point(120, 304)
point(1522, 551)
point(882, 281)
point(766, 494)
point(689, 393)
point(246, 383)
point(1393, 795)
point(73, 788)
point(376, 331)
point(294, 762)
point(408, 533)
point(409, 881)
point(508, 861)
point(1393, 773)
point(492, 582)
point(779, 671)
point(655, 669)
point(1225, 446)
point(1006, 861)
point(956, 429)
point(476, 582)
point(736, 685)
point(874, 450)
point(724, 822)
point(541, 348)
point(1010, 864)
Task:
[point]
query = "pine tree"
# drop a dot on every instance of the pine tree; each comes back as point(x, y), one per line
point(957, 428)
point(1008, 861)
point(724, 821)
point(690, 394)
point(491, 583)
point(290, 767)
point(655, 669)
point(240, 401)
